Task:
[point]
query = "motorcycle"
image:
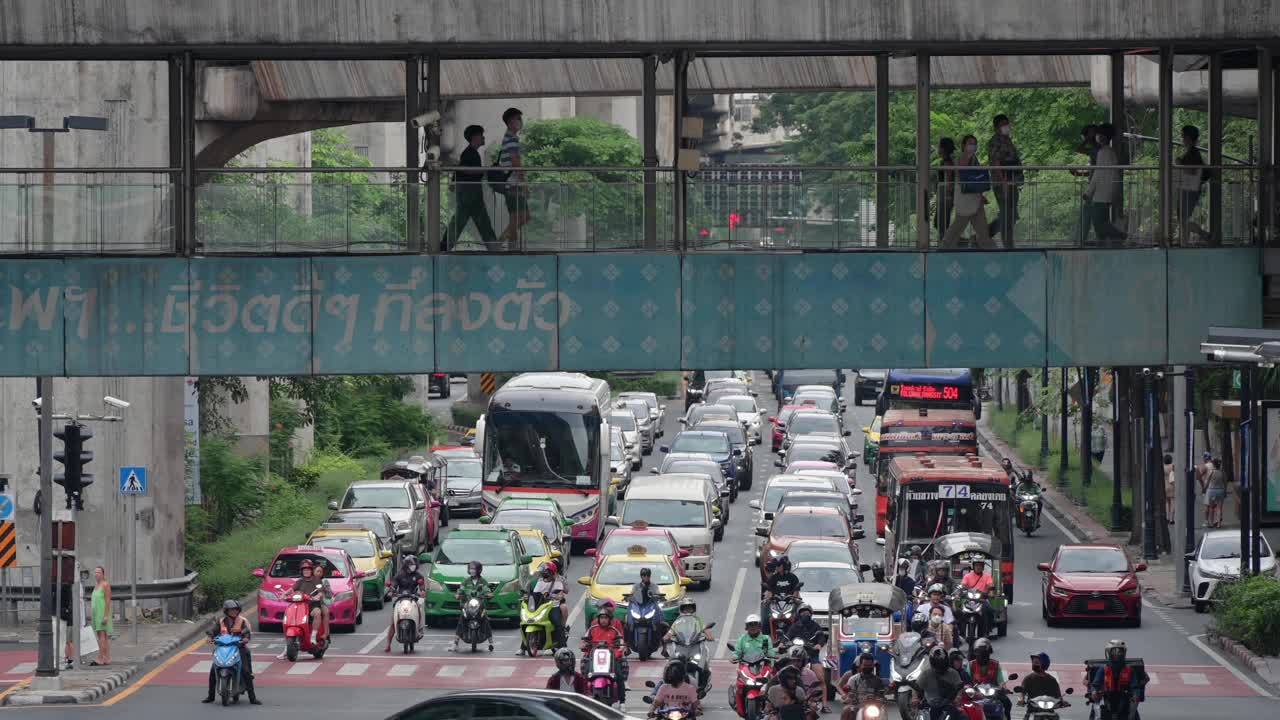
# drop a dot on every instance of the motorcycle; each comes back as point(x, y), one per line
point(642, 626)
point(602, 672)
point(910, 656)
point(870, 709)
point(535, 623)
point(1103, 707)
point(782, 612)
point(992, 698)
point(298, 631)
point(971, 625)
point(925, 711)
point(1028, 511)
point(405, 611)
point(690, 646)
point(474, 628)
point(1045, 707)
point(746, 695)
point(226, 663)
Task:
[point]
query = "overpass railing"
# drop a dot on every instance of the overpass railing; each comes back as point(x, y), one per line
point(763, 207)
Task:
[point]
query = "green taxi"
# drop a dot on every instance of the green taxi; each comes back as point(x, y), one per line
point(506, 568)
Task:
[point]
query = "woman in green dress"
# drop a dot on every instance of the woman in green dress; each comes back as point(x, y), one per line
point(102, 623)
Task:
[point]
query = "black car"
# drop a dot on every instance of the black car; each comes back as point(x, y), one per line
point(439, 383)
point(510, 703)
point(867, 384)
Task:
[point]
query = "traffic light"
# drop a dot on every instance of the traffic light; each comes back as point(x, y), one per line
point(74, 457)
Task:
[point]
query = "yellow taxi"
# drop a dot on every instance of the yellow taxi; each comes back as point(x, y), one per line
point(536, 546)
point(371, 556)
point(616, 574)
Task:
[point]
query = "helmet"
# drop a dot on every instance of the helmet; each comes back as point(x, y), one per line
point(938, 658)
point(1116, 651)
point(1044, 660)
point(547, 568)
point(606, 606)
point(409, 560)
point(942, 568)
point(982, 648)
point(564, 660)
point(771, 564)
point(229, 605)
point(789, 672)
point(798, 653)
point(551, 565)
point(306, 565)
point(937, 588)
point(752, 619)
point(804, 607)
point(475, 568)
point(919, 623)
point(689, 604)
point(904, 562)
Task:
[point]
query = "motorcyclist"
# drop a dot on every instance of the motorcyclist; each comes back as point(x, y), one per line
point(1025, 484)
point(781, 584)
point(645, 592)
point(808, 631)
point(688, 609)
point(938, 686)
point(567, 677)
point(753, 640)
point(475, 586)
point(978, 578)
point(312, 585)
point(1039, 682)
point(550, 586)
point(675, 691)
point(232, 623)
point(877, 572)
point(938, 629)
point(408, 581)
point(1119, 683)
point(986, 670)
point(905, 581)
point(942, 576)
point(1007, 465)
point(956, 658)
point(787, 699)
point(937, 599)
point(605, 629)
point(858, 687)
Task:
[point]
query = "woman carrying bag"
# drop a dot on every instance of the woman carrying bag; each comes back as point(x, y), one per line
point(970, 201)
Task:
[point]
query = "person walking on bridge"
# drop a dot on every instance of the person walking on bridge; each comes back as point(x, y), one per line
point(468, 190)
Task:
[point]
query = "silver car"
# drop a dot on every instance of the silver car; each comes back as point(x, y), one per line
point(749, 413)
point(461, 487)
point(630, 429)
point(657, 411)
point(644, 422)
point(398, 500)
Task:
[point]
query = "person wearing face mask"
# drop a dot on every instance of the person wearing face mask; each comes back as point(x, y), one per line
point(970, 199)
point(938, 686)
point(1104, 187)
point(1003, 155)
point(945, 184)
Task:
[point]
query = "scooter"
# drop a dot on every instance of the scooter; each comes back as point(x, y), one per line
point(642, 626)
point(991, 698)
point(1045, 707)
point(535, 623)
point(870, 709)
point(746, 696)
point(475, 628)
point(910, 656)
point(666, 713)
point(1109, 700)
point(406, 612)
point(298, 631)
point(602, 672)
point(1028, 512)
point(971, 623)
point(690, 646)
point(782, 612)
point(226, 662)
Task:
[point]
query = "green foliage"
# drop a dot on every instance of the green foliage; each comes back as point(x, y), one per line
point(664, 384)
point(1248, 611)
point(285, 417)
point(465, 414)
point(372, 419)
point(232, 485)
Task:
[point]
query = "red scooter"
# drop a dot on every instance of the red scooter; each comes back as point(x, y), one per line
point(747, 694)
point(297, 628)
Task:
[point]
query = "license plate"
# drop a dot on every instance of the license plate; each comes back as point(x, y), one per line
point(1096, 605)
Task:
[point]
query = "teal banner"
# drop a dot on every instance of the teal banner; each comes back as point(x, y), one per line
point(624, 311)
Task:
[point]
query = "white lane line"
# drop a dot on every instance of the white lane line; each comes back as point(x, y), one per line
point(303, 668)
point(577, 609)
point(1241, 676)
point(451, 671)
point(380, 638)
point(353, 669)
point(500, 671)
point(731, 617)
point(21, 668)
point(1194, 679)
point(261, 667)
point(1070, 535)
point(201, 667)
point(646, 671)
point(402, 670)
point(1153, 678)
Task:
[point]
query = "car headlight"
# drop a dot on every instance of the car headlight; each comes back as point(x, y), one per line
point(344, 596)
point(583, 515)
point(700, 550)
point(267, 595)
point(509, 587)
point(402, 526)
point(1059, 592)
point(1214, 575)
point(434, 585)
point(1130, 592)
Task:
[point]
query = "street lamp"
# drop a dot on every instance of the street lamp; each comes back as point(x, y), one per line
point(46, 667)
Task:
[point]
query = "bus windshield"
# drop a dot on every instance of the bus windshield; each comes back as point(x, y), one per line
point(531, 448)
point(925, 517)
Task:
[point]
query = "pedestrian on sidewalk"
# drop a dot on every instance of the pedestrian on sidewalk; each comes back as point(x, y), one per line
point(1215, 494)
point(103, 625)
point(1168, 488)
point(1098, 441)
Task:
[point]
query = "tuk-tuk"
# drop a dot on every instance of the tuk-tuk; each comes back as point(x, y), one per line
point(427, 471)
point(865, 617)
point(961, 550)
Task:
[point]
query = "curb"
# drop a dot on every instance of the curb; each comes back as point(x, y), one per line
point(1260, 665)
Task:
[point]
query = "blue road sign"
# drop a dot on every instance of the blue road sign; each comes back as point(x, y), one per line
point(133, 481)
point(6, 508)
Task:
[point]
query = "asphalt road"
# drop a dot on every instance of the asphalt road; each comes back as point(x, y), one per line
point(359, 679)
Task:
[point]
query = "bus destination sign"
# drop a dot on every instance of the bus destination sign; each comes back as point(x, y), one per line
point(934, 392)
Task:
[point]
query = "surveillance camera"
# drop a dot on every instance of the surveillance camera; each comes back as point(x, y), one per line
point(433, 153)
point(431, 117)
point(115, 402)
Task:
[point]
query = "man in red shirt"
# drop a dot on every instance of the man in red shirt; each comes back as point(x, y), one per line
point(979, 579)
point(608, 630)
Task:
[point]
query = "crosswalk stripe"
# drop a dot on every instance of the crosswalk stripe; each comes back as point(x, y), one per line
point(1153, 678)
point(22, 668)
point(353, 668)
point(647, 672)
point(451, 671)
point(261, 667)
point(498, 671)
point(1194, 679)
point(402, 670)
point(201, 666)
point(303, 668)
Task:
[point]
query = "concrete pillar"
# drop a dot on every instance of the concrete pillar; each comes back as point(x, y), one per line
point(882, 150)
point(680, 93)
point(1266, 139)
point(1118, 120)
point(1165, 147)
point(433, 140)
point(251, 418)
point(649, 142)
point(923, 146)
point(188, 154)
point(1214, 132)
point(412, 85)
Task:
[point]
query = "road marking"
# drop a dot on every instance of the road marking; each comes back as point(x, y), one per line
point(500, 671)
point(261, 667)
point(303, 668)
point(1070, 535)
point(1242, 677)
point(353, 669)
point(14, 688)
point(402, 670)
point(731, 617)
point(373, 644)
point(22, 668)
point(202, 666)
point(577, 609)
point(450, 671)
point(647, 671)
point(1153, 678)
point(1194, 679)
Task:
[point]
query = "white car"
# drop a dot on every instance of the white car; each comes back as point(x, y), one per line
point(818, 580)
point(626, 422)
point(1218, 559)
point(644, 421)
point(749, 414)
point(657, 411)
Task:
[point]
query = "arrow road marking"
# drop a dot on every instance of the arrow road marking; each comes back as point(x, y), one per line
point(1032, 636)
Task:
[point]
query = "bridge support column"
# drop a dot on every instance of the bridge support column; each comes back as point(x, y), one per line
point(412, 86)
point(1215, 147)
point(923, 146)
point(433, 141)
point(649, 140)
point(679, 103)
point(1165, 111)
point(1266, 142)
point(1120, 122)
point(182, 104)
point(882, 150)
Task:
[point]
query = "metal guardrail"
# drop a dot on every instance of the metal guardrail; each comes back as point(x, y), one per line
point(27, 590)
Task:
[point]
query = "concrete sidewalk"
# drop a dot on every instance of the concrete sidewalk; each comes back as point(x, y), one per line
point(88, 684)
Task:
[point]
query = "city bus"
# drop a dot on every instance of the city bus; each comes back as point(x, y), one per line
point(915, 432)
point(547, 435)
point(939, 495)
point(950, 388)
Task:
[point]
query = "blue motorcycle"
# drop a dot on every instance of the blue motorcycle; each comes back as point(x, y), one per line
point(643, 622)
point(226, 664)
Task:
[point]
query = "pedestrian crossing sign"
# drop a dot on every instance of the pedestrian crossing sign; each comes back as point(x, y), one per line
point(133, 481)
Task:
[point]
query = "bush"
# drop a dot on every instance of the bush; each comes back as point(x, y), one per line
point(372, 419)
point(664, 384)
point(466, 414)
point(232, 486)
point(1248, 611)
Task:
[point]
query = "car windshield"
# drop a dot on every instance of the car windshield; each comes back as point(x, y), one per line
point(803, 524)
point(627, 572)
point(736, 434)
point(369, 522)
point(289, 566)
point(706, 467)
point(799, 453)
point(617, 451)
point(1223, 547)
point(665, 513)
point(533, 545)
point(706, 412)
point(824, 579)
point(818, 552)
point(463, 469)
point(773, 496)
point(710, 443)
point(537, 519)
point(617, 544)
point(460, 551)
point(357, 547)
point(819, 400)
point(812, 422)
point(854, 625)
point(1092, 560)
point(638, 408)
point(838, 503)
point(376, 497)
point(623, 420)
point(740, 403)
point(652, 402)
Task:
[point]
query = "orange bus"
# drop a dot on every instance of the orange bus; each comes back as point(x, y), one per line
point(915, 432)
